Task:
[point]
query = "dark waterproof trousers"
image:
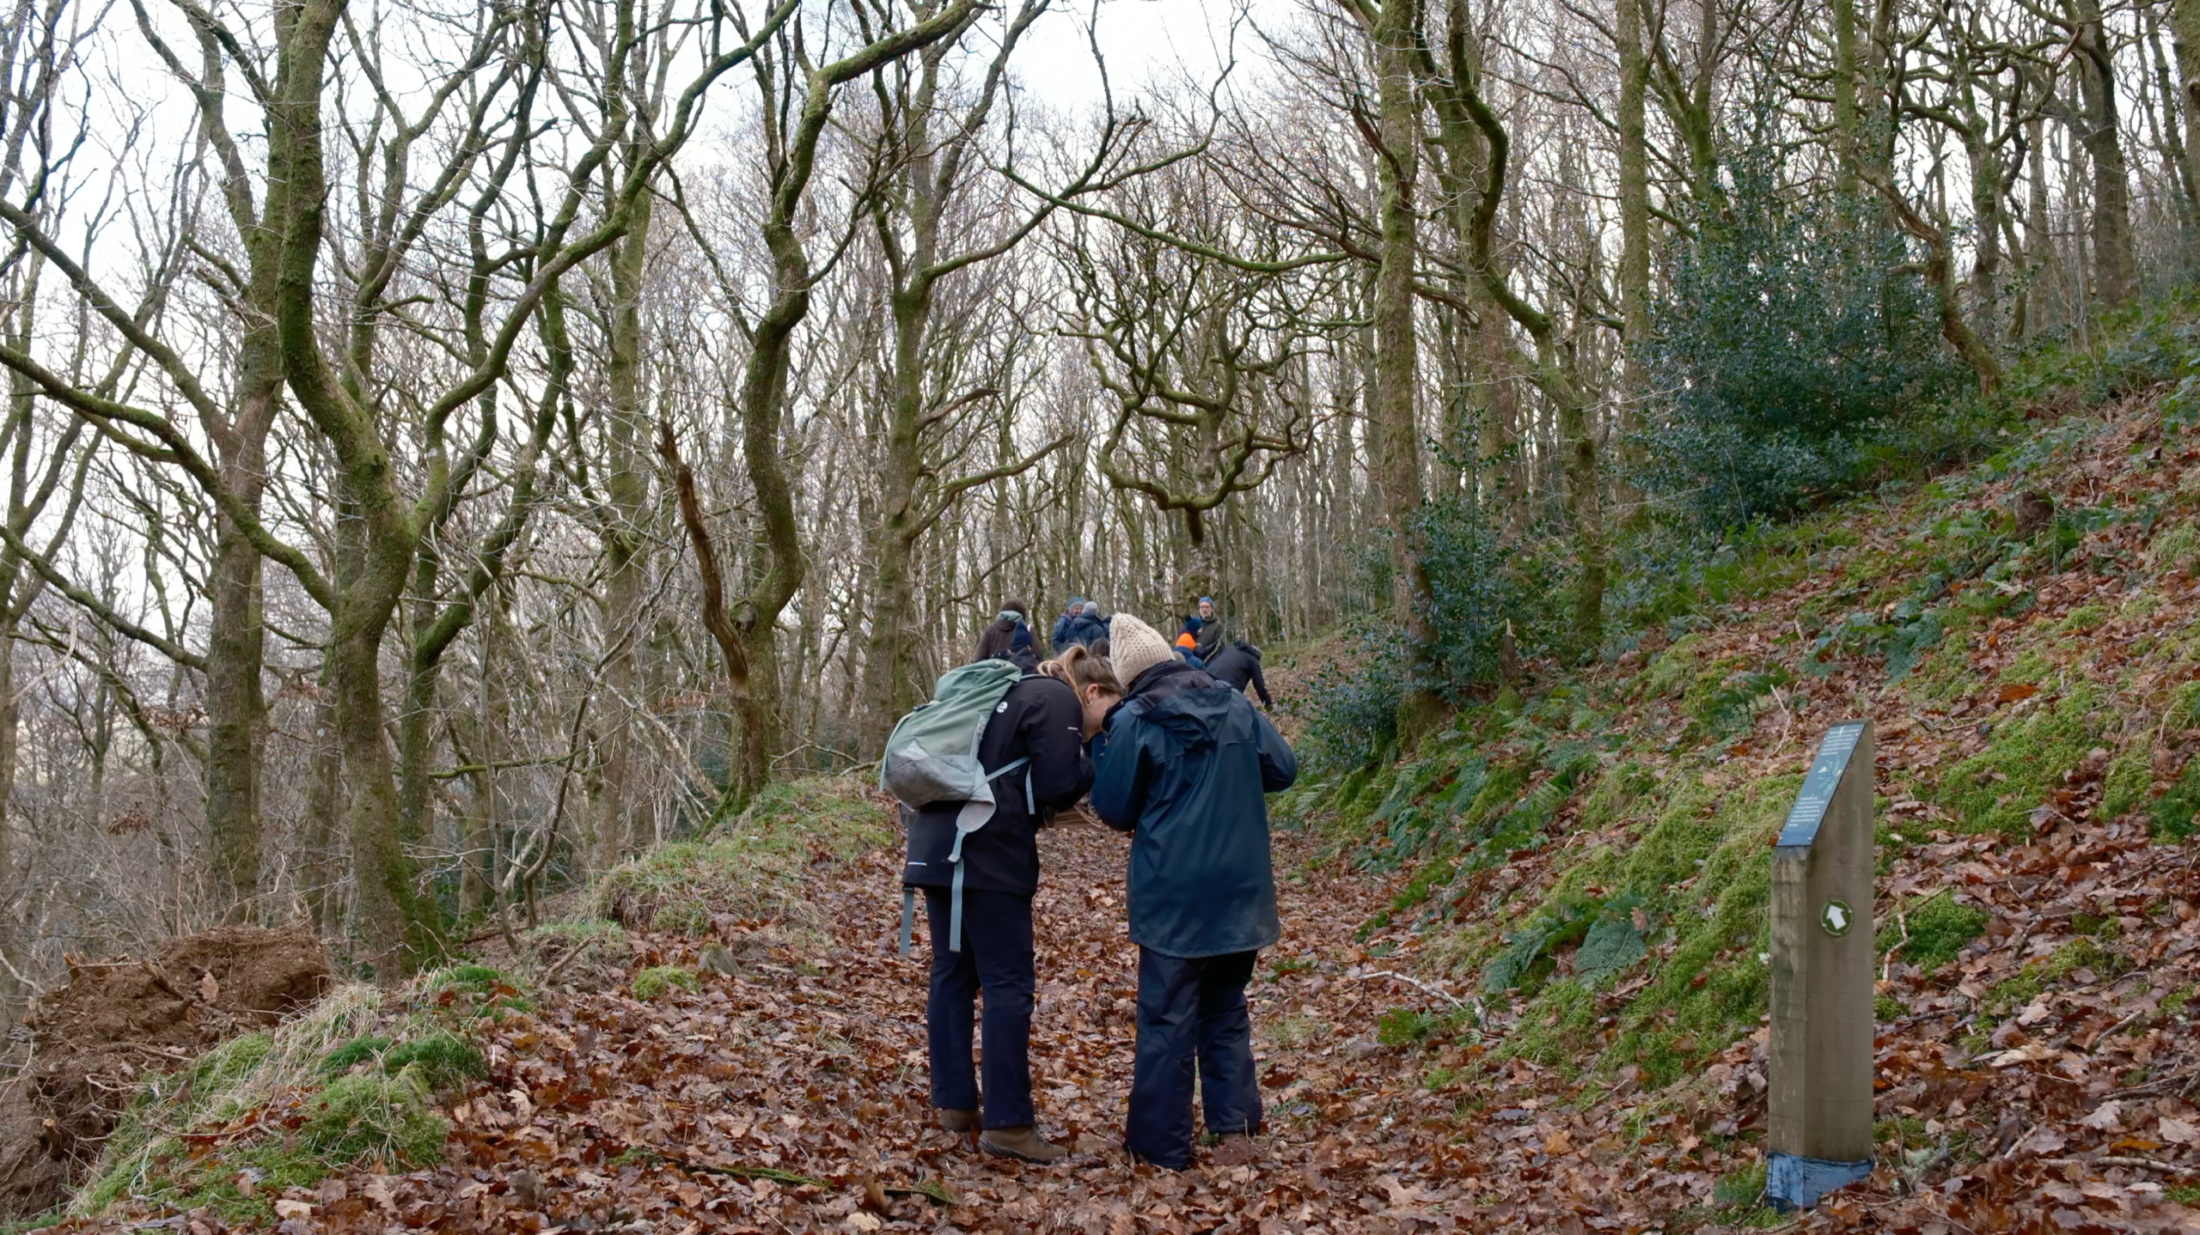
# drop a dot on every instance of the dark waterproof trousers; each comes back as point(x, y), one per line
point(996, 958)
point(1191, 1010)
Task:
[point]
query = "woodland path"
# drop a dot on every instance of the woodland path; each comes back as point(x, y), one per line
point(793, 1096)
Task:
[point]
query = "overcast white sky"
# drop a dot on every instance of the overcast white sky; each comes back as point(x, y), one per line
point(1142, 40)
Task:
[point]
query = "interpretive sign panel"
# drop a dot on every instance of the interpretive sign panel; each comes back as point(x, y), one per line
point(1821, 1047)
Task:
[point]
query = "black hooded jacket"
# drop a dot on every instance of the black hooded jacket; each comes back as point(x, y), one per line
point(1239, 664)
point(1040, 718)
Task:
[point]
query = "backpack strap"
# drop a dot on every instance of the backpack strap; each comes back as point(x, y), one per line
point(954, 857)
point(908, 915)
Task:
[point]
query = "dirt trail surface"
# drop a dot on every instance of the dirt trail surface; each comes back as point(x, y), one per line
point(787, 1092)
point(119, 1019)
point(793, 1096)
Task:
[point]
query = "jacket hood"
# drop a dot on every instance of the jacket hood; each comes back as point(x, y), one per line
point(1186, 703)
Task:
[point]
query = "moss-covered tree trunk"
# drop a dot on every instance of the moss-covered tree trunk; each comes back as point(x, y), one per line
point(1397, 33)
point(2184, 30)
point(627, 537)
point(2116, 263)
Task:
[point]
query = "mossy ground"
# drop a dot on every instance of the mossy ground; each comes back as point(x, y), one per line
point(749, 866)
point(1625, 924)
point(350, 1083)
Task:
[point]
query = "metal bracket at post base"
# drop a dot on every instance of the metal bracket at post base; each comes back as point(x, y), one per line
point(1796, 1182)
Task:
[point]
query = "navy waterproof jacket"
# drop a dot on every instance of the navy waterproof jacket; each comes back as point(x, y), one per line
point(1084, 628)
point(1188, 760)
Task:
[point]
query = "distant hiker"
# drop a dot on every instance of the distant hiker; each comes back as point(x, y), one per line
point(1087, 626)
point(1008, 637)
point(1239, 665)
point(977, 885)
point(1187, 763)
point(1210, 629)
point(1187, 644)
point(1070, 613)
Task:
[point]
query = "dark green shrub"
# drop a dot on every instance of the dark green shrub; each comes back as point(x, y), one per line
point(1786, 343)
point(1351, 704)
point(1478, 588)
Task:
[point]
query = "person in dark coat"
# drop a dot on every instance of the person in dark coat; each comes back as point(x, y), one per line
point(1187, 764)
point(1087, 626)
point(1008, 637)
point(1063, 625)
point(1041, 719)
point(1209, 632)
point(1239, 666)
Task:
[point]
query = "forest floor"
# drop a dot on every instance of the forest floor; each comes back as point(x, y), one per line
point(790, 1093)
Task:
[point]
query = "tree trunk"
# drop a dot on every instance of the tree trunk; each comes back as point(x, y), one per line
point(890, 685)
point(1634, 213)
point(394, 923)
point(2116, 266)
point(1848, 121)
point(1396, 35)
point(626, 541)
point(2184, 30)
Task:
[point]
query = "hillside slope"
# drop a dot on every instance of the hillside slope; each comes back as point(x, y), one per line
point(1589, 857)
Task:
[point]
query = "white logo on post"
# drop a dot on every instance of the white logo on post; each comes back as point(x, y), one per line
point(1836, 918)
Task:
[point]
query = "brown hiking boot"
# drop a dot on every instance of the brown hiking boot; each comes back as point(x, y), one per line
point(961, 1123)
point(1024, 1142)
point(1235, 1149)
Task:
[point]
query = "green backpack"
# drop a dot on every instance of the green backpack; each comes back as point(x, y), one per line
point(932, 757)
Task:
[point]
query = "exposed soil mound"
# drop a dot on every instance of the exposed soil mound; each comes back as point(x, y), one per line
point(118, 1019)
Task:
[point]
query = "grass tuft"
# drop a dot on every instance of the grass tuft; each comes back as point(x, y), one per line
point(652, 983)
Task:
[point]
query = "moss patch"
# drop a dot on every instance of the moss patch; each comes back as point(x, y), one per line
point(750, 866)
point(351, 1083)
point(652, 983)
point(1937, 929)
point(1690, 895)
point(1997, 789)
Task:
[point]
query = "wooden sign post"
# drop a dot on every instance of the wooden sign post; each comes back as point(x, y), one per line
point(1822, 994)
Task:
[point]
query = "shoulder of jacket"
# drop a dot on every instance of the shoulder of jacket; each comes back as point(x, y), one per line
point(1041, 693)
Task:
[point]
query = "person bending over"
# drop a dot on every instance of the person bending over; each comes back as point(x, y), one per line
point(1041, 719)
point(1238, 666)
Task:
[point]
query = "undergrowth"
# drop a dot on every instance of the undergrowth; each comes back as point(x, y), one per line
point(351, 1083)
point(747, 867)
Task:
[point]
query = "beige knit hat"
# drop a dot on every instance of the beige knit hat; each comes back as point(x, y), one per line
point(1135, 647)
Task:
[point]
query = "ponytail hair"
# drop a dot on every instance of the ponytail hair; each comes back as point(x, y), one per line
point(1081, 667)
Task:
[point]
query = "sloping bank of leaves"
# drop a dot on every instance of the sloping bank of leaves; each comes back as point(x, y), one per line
point(748, 868)
point(358, 1081)
point(1590, 861)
